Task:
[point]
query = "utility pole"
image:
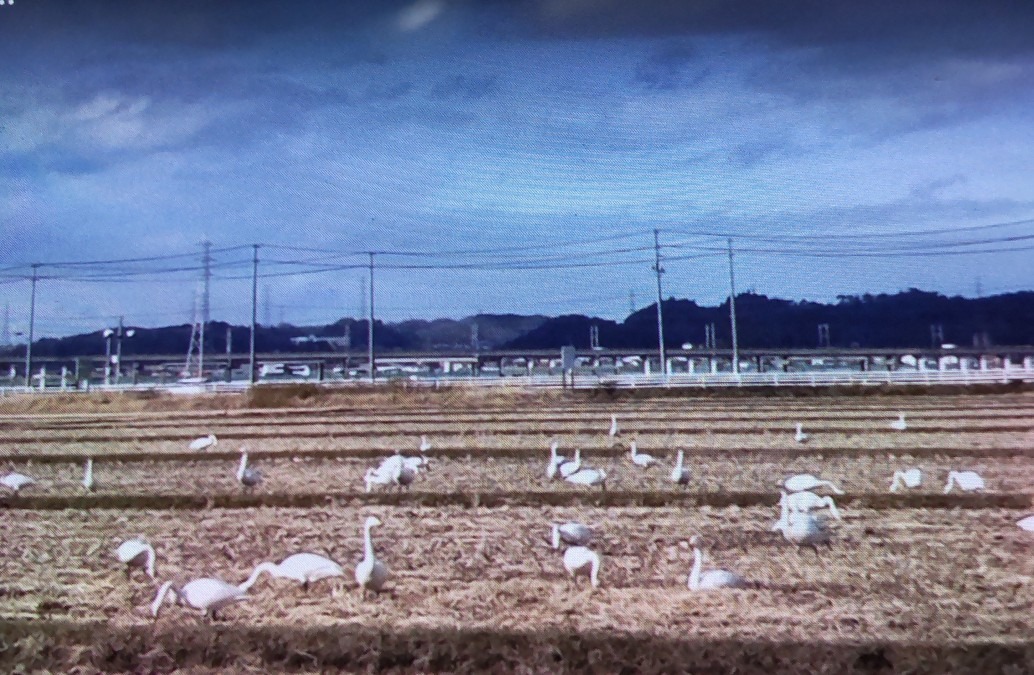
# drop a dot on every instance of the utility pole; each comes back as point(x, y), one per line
point(373, 365)
point(32, 327)
point(118, 349)
point(732, 314)
point(206, 260)
point(348, 347)
point(363, 309)
point(660, 319)
point(254, 311)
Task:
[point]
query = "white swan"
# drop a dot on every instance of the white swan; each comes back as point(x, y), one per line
point(711, 579)
point(806, 502)
point(640, 458)
point(569, 468)
point(800, 436)
point(802, 529)
point(589, 477)
point(899, 424)
point(247, 476)
point(392, 463)
point(16, 481)
point(136, 553)
point(580, 561)
point(204, 442)
point(370, 573)
point(806, 481)
point(1026, 524)
point(207, 594)
point(910, 479)
point(680, 475)
point(378, 477)
point(614, 431)
point(555, 460)
point(571, 533)
point(88, 482)
point(966, 480)
point(305, 568)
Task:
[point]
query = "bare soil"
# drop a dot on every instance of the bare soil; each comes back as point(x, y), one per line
point(939, 589)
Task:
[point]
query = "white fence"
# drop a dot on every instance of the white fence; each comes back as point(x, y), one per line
point(623, 381)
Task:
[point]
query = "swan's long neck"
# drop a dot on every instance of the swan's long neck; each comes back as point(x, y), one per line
point(242, 466)
point(88, 473)
point(367, 544)
point(150, 561)
point(256, 573)
point(578, 457)
point(160, 598)
point(694, 574)
point(678, 462)
point(556, 536)
point(552, 453)
point(594, 575)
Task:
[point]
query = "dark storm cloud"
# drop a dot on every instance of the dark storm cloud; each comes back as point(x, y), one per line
point(197, 23)
point(924, 25)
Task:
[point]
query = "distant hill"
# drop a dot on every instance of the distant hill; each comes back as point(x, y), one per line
point(898, 320)
point(444, 334)
point(885, 320)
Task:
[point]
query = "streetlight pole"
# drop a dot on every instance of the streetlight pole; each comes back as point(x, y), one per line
point(118, 334)
point(107, 333)
point(118, 347)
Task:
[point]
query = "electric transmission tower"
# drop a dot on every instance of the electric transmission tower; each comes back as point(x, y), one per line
point(195, 352)
point(824, 335)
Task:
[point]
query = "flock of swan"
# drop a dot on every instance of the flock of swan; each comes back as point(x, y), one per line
point(799, 523)
point(580, 560)
point(210, 594)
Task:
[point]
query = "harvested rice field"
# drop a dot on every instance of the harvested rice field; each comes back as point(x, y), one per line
point(913, 581)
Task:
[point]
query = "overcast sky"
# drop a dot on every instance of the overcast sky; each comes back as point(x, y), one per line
point(539, 131)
